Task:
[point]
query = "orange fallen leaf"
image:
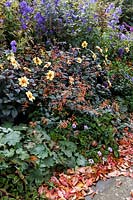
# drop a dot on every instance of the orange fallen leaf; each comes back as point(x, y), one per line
point(114, 174)
point(61, 194)
point(51, 194)
point(54, 180)
point(131, 193)
point(79, 186)
point(89, 182)
point(63, 180)
point(70, 171)
point(74, 180)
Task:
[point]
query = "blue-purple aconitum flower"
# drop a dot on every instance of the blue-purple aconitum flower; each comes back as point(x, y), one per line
point(92, 1)
point(123, 36)
point(110, 7)
point(23, 23)
point(89, 29)
point(120, 52)
point(25, 10)
point(8, 3)
point(122, 28)
point(39, 18)
point(56, 2)
point(13, 44)
point(114, 13)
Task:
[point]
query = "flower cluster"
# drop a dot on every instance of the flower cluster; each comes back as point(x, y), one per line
point(25, 10)
point(13, 46)
point(14, 62)
point(81, 19)
point(113, 14)
point(23, 81)
point(50, 75)
point(37, 61)
point(84, 44)
point(8, 3)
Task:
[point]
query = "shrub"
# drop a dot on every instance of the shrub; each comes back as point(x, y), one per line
point(50, 82)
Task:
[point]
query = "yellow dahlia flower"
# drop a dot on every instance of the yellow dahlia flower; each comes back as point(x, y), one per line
point(50, 75)
point(37, 61)
point(23, 81)
point(84, 44)
point(30, 96)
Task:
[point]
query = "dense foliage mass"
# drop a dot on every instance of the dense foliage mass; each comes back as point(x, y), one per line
point(66, 85)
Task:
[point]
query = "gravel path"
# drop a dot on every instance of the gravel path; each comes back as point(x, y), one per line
point(118, 188)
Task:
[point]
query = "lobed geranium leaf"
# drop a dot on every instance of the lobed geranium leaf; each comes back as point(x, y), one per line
point(11, 138)
point(41, 151)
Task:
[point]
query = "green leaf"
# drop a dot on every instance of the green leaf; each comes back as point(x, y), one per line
point(81, 161)
point(11, 138)
point(6, 112)
point(36, 176)
point(5, 130)
point(116, 153)
point(49, 162)
point(42, 136)
point(22, 154)
point(8, 153)
point(41, 151)
point(67, 152)
point(6, 125)
point(14, 113)
point(67, 144)
point(21, 127)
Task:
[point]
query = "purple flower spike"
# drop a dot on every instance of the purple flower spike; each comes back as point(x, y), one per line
point(13, 46)
point(56, 2)
point(8, 3)
point(110, 7)
point(121, 52)
point(13, 43)
point(14, 49)
point(123, 36)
